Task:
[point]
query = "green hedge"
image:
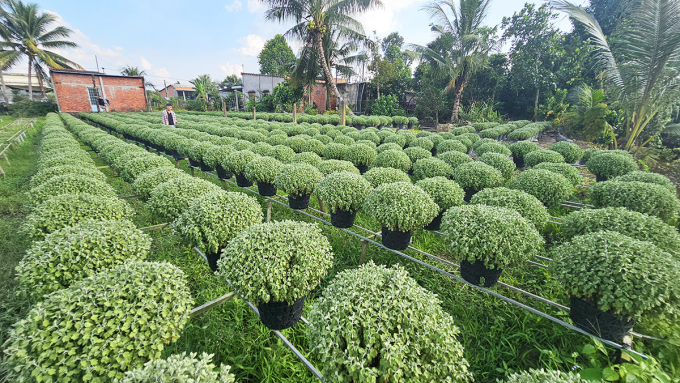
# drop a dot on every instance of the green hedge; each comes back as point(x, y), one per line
point(393, 158)
point(550, 188)
point(343, 191)
point(477, 176)
point(148, 180)
point(499, 161)
point(569, 172)
point(611, 164)
point(431, 167)
point(445, 193)
point(400, 206)
point(380, 176)
point(70, 184)
point(651, 178)
point(536, 157)
point(171, 198)
point(298, 179)
point(525, 204)
point(642, 197)
point(180, 368)
point(570, 151)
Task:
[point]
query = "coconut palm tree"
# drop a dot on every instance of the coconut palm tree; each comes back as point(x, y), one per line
point(469, 42)
point(132, 71)
point(315, 19)
point(26, 33)
point(642, 71)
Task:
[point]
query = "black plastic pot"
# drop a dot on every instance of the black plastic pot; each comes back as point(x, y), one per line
point(281, 315)
point(410, 125)
point(343, 219)
point(433, 151)
point(582, 161)
point(468, 194)
point(242, 181)
point(410, 172)
point(436, 223)
point(193, 163)
point(168, 151)
point(599, 178)
point(222, 173)
point(205, 167)
point(362, 168)
point(400, 126)
point(212, 260)
point(396, 240)
point(266, 189)
point(597, 322)
point(519, 162)
point(474, 272)
point(298, 202)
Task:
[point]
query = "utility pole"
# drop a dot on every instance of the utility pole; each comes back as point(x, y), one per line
point(166, 88)
point(94, 87)
point(97, 61)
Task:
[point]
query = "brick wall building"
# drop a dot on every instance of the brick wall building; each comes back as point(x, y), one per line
point(75, 91)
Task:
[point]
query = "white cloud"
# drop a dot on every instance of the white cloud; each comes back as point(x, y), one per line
point(383, 20)
point(254, 6)
point(252, 45)
point(160, 72)
point(235, 6)
point(145, 64)
point(118, 48)
point(230, 69)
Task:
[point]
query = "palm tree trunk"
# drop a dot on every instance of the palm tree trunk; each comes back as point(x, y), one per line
point(30, 86)
point(40, 82)
point(458, 95)
point(326, 70)
point(538, 92)
point(4, 89)
point(378, 86)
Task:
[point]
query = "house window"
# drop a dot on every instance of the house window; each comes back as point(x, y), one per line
point(94, 95)
point(318, 92)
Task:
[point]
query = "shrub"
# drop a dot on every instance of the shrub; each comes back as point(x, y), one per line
point(65, 158)
point(282, 153)
point(334, 151)
point(331, 166)
point(493, 147)
point(431, 167)
point(380, 176)
point(543, 376)
point(571, 152)
point(135, 167)
point(618, 274)
point(169, 199)
point(550, 188)
point(454, 158)
point(610, 165)
point(449, 145)
point(445, 193)
point(522, 148)
point(314, 146)
point(343, 191)
point(621, 220)
point(47, 174)
point(263, 170)
point(298, 179)
point(477, 176)
point(295, 143)
point(590, 152)
point(416, 153)
point(75, 252)
point(536, 157)
point(400, 206)
point(305, 158)
point(483, 141)
point(417, 344)
point(180, 368)
point(396, 159)
point(367, 143)
point(148, 180)
point(499, 161)
point(213, 219)
point(242, 145)
point(494, 236)
point(525, 204)
point(345, 140)
point(295, 255)
point(236, 162)
point(395, 139)
point(88, 339)
point(323, 138)
point(650, 199)
point(278, 139)
point(215, 155)
point(360, 154)
point(386, 147)
point(651, 178)
point(369, 136)
point(197, 151)
point(70, 184)
point(68, 209)
point(422, 142)
point(261, 148)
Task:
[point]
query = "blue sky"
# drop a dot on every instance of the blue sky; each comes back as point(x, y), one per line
point(176, 40)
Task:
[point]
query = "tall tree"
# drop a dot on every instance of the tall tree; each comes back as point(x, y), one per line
point(276, 58)
point(314, 19)
point(468, 42)
point(204, 87)
point(611, 13)
point(26, 33)
point(230, 80)
point(132, 71)
point(642, 72)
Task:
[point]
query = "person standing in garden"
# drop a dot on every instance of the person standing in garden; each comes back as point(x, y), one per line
point(168, 116)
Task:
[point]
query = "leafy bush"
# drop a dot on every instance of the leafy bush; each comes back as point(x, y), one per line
point(416, 153)
point(422, 142)
point(68, 209)
point(135, 167)
point(499, 161)
point(621, 220)
point(324, 139)
point(197, 151)
point(525, 204)
point(536, 157)
point(360, 154)
point(550, 188)
point(571, 152)
point(344, 140)
point(380, 176)
point(148, 180)
point(213, 219)
point(236, 162)
point(298, 179)
point(263, 169)
point(395, 139)
point(477, 176)
point(494, 236)
point(171, 198)
point(343, 191)
point(180, 368)
point(651, 178)
point(400, 206)
point(305, 158)
point(47, 174)
point(278, 139)
point(386, 147)
point(65, 158)
point(396, 159)
point(295, 143)
point(261, 148)
point(417, 344)
point(334, 151)
point(369, 136)
point(650, 199)
point(445, 193)
point(431, 167)
point(281, 153)
point(569, 172)
point(521, 148)
point(618, 274)
point(70, 184)
point(215, 155)
point(314, 146)
point(75, 252)
point(88, 339)
point(611, 165)
point(543, 376)
point(28, 108)
point(454, 158)
point(295, 255)
point(331, 166)
point(449, 145)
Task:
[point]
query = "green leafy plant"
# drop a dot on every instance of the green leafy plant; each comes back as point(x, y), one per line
point(171, 198)
point(454, 158)
point(69, 209)
point(395, 139)
point(400, 206)
point(499, 161)
point(180, 368)
point(392, 158)
point(70, 184)
point(431, 167)
point(298, 179)
point(135, 167)
point(332, 166)
point(295, 143)
point(539, 156)
point(343, 191)
point(444, 192)
point(380, 176)
point(344, 140)
point(550, 188)
point(47, 174)
point(236, 162)
point(521, 148)
point(334, 151)
point(214, 156)
point(449, 145)
point(570, 151)
point(213, 219)
point(418, 343)
point(416, 153)
point(360, 154)
point(314, 146)
point(652, 178)
point(525, 204)
point(92, 334)
point(618, 274)
point(386, 147)
point(78, 158)
point(295, 256)
point(422, 142)
point(260, 148)
point(263, 170)
point(148, 180)
point(281, 153)
point(612, 164)
point(305, 158)
point(569, 172)
point(651, 199)
point(494, 236)
point(477, 176)
point(543, 376)
point(492, 147)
